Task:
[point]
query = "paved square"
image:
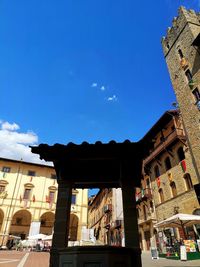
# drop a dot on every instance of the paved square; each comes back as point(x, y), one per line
point(38, 259)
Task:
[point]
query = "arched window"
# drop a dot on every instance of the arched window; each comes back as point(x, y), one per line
point(137, 212)
point(144, 212)
point(156, 171)
point(188, 181)
point(151, 206)
point(181, 154)
point(160, 191)
point(167, 164)
point(173, 189)
point(27, 191)
point(180, 53)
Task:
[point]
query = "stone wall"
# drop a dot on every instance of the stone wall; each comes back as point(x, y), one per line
point(185, 29)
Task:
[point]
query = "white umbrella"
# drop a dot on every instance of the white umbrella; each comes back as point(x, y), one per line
point(47, 237)
point(35, 237)
point(27, 243)
point(179, 220)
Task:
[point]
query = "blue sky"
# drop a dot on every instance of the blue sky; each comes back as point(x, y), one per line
point(74, 70)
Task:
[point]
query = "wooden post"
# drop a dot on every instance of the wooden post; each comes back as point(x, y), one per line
point(62, 221)
point(130, 221)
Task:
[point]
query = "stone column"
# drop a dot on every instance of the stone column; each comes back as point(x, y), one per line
point(62, 221)
point(143, 239)
point(153, 238)
point(130, 220)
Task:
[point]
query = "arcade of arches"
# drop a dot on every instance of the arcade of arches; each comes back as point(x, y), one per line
point(21, 222)
point(46, 223)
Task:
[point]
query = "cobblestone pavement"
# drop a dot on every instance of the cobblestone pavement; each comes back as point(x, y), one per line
point(41, 259)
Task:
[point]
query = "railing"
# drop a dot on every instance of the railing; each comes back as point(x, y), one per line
point(144, 194)
point(107, 208)
point(167, 140)
point(150, 216)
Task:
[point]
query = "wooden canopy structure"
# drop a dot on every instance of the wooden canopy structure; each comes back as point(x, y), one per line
point(90, 166)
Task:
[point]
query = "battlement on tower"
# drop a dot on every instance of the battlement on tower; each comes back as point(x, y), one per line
point(184, 16)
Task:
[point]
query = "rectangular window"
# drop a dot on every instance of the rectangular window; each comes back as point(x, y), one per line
point(27, 193)
point(2, 188)
point(180, 53)
point(74, 199)
point(147, 183)
point(196, 94)
point(188, 75)
point(31, 173)
point(144, 213)
point(6, 169)
point(51, 196)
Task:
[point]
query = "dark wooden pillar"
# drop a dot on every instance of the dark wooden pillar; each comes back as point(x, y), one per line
point(130, 221)
point(62, 221)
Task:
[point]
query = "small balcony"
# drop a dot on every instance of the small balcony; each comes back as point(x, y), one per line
point(146, 218)
point(176, 134)
point(107, 208)
point(118, 223)
point(143, 195)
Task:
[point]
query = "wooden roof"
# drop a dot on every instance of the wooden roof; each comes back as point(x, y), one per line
point(95, 165)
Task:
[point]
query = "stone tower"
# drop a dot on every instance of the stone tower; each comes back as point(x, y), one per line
point(181, 48)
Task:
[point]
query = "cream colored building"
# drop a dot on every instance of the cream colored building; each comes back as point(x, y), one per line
point(105, 217)
point(28, 194)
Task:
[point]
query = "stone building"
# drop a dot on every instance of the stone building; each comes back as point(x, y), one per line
point(181, 48)
point(170, 169)
point(146, 214)
point(166, 189)
point(105, 216)
point(28, 194)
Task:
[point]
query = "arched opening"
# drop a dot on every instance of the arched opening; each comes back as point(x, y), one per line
point(1, 219)
point(47, 222)
point(188, 181)
point(151, 206)
point(173, 189)
point(20, 224)
point(156, 171)
point(180, 53)
point(160, 191)
point(73, 227)
point(181, 154)
point(167, 164)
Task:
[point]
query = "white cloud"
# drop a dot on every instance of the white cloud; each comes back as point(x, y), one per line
point(112, 98)
point(8, 126)
point(94, 85)
point(15, 145)
point(103, 88)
